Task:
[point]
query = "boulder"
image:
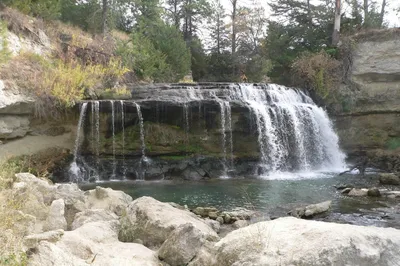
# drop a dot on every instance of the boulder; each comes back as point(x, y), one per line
point(215, 225)
point(13, 126)
point(56, 218)
point(311, 210)
point(389, 179)
point(220, 219)
point(358, 192)
point(181, 245)
point(93, 215)
point(48, 254)
point(108, 199)
point(13, 102)
point(74, 200)
point(153, 221)
point(374, 192)
point(240, 223)
point(241, 213)
point(39, 187)
point(292, 241)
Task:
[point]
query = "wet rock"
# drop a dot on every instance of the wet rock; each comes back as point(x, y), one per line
point(374, 192)
point(389, 179)
point(181, 245)
point(241, 214)
point(358, 192)
point(213, 215)
point(227, 218)
point(346, 190)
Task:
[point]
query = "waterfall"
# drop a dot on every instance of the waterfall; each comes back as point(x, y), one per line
point(123, 138)
point(139, 113)
point(229, 129)
point(186, 121)
point(74, 169)
point(293, 133)
point(223, 134)
point(113, 139)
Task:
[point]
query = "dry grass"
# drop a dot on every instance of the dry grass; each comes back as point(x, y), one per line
point(376, 35)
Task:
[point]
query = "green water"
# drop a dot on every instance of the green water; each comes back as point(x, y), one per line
point(273, 197)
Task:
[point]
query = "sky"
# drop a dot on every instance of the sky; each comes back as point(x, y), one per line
point(391, 17)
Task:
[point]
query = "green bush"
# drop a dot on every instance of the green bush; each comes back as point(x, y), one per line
point(5, 53)
point(46, 9)
point(393, 143)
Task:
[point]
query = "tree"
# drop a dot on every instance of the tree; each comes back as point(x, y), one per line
point(218, 29)
point(336, 28)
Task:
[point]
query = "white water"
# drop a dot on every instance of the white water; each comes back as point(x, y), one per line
point(123, 139)
point(113, 139)
point(74, 170)
point(290, 128)
point(141, 126)
point(186, 122)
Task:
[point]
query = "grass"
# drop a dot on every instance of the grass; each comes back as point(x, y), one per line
point(393, 143)
point(5, 53)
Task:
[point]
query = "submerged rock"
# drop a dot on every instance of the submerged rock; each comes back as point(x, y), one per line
point(153, 221)
point(292, 241)
point(389, 179)
point(374, 192)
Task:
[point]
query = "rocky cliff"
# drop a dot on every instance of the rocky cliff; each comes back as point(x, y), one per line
point(371, 120)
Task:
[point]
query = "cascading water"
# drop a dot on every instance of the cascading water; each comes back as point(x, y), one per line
point(186, 122)
point(123, 139)
point(113, 139)
point(223, 133)
point(229, 129)
point(74, 170)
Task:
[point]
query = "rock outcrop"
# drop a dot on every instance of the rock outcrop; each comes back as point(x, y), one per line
point(371, 101)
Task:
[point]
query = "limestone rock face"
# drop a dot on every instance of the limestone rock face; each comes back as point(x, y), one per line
point(13, 126)
point(153, 221)
point(56, 219)
point(12, 102)
point(369, 119)
point(182, 245)
point(292, 241)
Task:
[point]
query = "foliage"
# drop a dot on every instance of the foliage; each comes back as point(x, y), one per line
point(318, 72)
point(393, 143)
point(5, 53)
point(140, 55)
point(46, 9)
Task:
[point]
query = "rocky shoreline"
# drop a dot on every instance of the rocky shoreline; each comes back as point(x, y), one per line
point(63, 225)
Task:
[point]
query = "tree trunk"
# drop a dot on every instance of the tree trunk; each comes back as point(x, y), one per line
point(104, 17)
point(176, 15)
point(233, 16)
point(336, 27)
point(366, 13)
point(382, 15)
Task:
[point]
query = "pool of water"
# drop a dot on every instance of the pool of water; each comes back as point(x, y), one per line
point(272, 197)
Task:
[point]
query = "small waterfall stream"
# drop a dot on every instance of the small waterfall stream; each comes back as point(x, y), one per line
point(74, 170)
point(113, 139)
point(123, 139)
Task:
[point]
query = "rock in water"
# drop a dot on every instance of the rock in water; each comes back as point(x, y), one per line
point(292, 241)
point(311, 210)
point(182, 245)
point(358, 192)
point(374, 192)
point(389, 179)
point(153, 221)
point(56, 219)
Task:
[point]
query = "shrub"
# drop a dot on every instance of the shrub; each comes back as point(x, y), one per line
point(318, 72)
point(5, 53)
point(46, 9)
